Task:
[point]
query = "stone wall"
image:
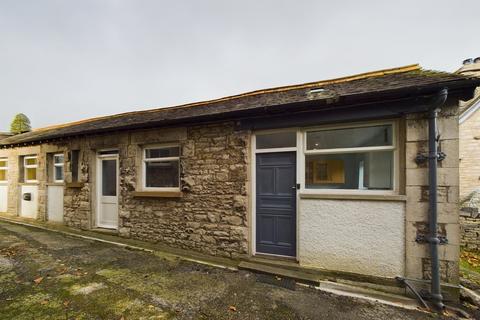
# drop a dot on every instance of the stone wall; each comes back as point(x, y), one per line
point(78, 198)
point(470, 229)
point(416, 185)
point(211, 214)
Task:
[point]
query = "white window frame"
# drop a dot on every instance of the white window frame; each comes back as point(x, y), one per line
point(393, 147)
point(30, 166)
point(162, 159)
point(5, 168)
point(55, 165)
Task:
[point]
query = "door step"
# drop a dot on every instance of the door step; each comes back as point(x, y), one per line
point(296, 275)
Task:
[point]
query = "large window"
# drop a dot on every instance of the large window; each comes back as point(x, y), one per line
point(353, 158)
point(3, 169)
point(161, 167)
point(58, 162)
point(30, 166)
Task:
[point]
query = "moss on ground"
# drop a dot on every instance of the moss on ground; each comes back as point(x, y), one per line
point(42, 279)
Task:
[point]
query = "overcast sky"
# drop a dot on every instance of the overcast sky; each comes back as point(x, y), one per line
point(69, 60)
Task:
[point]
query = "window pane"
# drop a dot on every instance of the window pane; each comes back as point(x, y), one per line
point(58, 158)
point(107, 152)
point(31, 161)
point(162, 174)
point(276, 140)
point(162, 152)
point(365, 171)
point(3, 163)
point(3, 175)
point(109, 177)
point(74, 164)
point(58, 173)
point(350, 138)
point(31, 174)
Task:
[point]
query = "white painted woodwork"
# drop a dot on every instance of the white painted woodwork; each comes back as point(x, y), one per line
point(107, 192)
point(29, 208)
point(3, 198)
point(55, 203)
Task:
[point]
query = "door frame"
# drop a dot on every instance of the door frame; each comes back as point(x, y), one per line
point(99, 158)
point(253, 188)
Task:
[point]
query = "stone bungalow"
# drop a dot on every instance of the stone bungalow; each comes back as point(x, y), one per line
point(321, 174)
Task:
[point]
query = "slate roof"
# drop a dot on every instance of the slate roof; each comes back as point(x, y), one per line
point(377, 84)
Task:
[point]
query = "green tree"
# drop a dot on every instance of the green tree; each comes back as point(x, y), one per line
point(20, 124)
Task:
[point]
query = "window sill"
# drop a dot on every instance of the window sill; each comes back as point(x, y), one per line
point(157, 194)
point(30, 183)
point(74, 184)
point(376, 197)
point(54, 184)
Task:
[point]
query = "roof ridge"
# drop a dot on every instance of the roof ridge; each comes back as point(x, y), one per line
point(359, 76)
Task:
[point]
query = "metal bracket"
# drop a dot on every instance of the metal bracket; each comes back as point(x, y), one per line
point(422, 158)
point(426, 239)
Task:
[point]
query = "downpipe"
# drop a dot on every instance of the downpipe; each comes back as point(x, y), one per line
point(433, 239)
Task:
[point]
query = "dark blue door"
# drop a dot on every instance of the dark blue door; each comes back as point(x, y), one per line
point(276, 203)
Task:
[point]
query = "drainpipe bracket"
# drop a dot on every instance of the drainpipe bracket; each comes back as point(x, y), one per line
point(422, 158)
point(434, 240)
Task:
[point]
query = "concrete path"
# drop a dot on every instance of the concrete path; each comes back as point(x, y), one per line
point(46, 275)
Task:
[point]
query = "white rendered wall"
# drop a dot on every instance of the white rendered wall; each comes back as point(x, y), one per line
point(359, 236)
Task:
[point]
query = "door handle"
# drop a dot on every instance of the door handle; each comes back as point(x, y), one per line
point(297, 186)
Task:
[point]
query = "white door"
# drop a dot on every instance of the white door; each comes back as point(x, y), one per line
point(29, 201)
point(107, 213)
point(55, 203)
point(3, 198)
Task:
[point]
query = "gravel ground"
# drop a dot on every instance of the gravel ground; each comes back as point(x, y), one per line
point(45, 275)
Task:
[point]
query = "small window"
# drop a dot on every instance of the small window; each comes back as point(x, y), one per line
point(30, 165)
point(74, 164)
point(3, 169)
point(360, 158)
point(276, 140)
point(162, 168)
point(58, 163)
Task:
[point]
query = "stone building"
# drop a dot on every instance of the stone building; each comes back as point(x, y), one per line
point(469, 121)
point(321, 175)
